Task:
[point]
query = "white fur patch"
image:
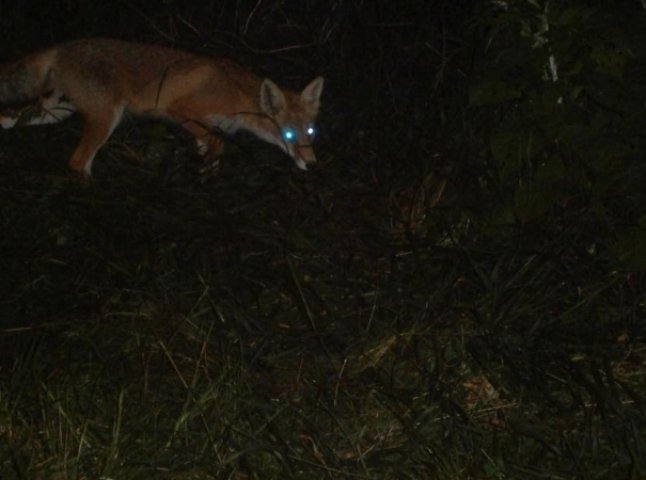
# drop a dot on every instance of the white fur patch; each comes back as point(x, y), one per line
point(51, 109)
point(8, 122)
point(229, 125)
point(202, 146)
point(52, 115)
point(118, 114)
point(301, 164)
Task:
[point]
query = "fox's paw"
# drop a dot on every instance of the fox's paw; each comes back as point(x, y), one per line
point(80, 177)
point(210, 169)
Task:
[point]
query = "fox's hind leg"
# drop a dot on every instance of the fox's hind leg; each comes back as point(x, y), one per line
point(54, 107)
point(50, 108)
point(98, 126)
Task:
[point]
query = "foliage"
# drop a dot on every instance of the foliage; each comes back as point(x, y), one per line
point(559, 87)
point(457, 291)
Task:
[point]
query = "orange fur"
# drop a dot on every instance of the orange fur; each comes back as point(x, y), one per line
point(102, 78)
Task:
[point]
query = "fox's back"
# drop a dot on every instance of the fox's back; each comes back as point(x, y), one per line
point(117, 61)
point(144, 76)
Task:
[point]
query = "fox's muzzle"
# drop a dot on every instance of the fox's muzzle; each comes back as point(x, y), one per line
point(304, 156)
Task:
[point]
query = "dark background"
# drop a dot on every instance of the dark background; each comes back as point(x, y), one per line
point(455, 291)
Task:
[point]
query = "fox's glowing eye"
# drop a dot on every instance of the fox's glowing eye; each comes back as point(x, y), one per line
point(311, 131)
point(289, 134)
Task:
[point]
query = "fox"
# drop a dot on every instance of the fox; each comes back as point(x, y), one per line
point(101, 79)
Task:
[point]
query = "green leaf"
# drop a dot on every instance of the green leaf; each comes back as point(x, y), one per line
point(630, 248)
point(550, 170)
point(505, 148)
point(609, 61)
point(491, 92)
point(530, 203)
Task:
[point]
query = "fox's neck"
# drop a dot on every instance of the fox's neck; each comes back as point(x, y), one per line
point(256, 123)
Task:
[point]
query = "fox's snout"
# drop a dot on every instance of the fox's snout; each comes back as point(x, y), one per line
point(304, 157)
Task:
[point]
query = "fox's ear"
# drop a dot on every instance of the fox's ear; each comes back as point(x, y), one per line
point(311, 94)
point(272, 99)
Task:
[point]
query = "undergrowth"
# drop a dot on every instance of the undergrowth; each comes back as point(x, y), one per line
point(455, 291)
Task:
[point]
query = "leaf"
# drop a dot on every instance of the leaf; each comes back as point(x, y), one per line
point(504, 145)
point(491, 92)
point(609, 61)
point(530, 203)
point(550, 170)
point(631, 247)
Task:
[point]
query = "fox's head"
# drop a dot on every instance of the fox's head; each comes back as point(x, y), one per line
point(293, 116)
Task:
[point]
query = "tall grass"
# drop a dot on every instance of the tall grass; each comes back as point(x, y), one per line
point(405, 310)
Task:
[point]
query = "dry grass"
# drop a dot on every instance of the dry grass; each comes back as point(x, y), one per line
point(366, 319)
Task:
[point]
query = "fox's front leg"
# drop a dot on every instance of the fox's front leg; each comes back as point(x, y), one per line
point(211, 151)
point(98, 126)
point(209, 146)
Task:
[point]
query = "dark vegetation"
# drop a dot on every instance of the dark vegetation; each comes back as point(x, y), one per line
point(455, 292)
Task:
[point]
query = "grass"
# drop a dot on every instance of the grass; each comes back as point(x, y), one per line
point(277, 324)
point(384, 315)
